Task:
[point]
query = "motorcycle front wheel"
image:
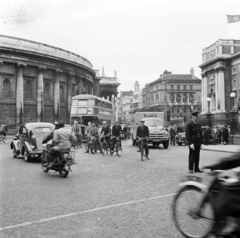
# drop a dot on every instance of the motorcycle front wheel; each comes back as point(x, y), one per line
point(63, 172)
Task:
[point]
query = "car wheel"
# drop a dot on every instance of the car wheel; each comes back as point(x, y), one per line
point(26, 156)
point(165, 145)
point(179, 143)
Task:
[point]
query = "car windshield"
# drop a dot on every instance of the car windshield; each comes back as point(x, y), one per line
point(153, 123)
point(39, 130)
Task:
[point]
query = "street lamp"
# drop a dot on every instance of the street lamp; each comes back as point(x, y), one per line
point(165, 82)
point(232, 96)
point(209, 113)
point(233, 113)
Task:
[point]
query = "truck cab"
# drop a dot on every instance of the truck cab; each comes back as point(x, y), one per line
point(155, 123)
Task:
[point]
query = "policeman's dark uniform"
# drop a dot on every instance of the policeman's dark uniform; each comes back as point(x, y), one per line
point(194, 136)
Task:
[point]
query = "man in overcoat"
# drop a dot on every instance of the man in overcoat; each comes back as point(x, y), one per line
point(195, 141)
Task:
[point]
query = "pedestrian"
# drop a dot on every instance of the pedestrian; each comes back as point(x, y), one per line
point(88, 131)
point(3, 130)
point(143, 132)
point(219, 134)
point(78, 133)
point(172, 133)
point(207, 135)
point(225, 135)
point(195, 141)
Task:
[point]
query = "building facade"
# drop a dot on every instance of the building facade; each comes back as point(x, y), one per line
point(221, 76)
point(37, 81)
point(137, 97)
point(175, 94)
point(125, 103)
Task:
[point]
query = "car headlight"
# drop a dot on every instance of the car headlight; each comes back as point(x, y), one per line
point(166, 133)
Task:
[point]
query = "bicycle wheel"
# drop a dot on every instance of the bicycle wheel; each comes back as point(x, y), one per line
point(189, 224)
point(92, 147)
point(118, 150)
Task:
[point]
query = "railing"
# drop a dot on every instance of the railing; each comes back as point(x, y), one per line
point(18, 43)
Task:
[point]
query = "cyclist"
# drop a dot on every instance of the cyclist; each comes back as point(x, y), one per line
point(143, 132)
point(94, 133)
point(3, 130)
point(106, 131)
point(116, 130)
point(224, 164)
point(88, 130)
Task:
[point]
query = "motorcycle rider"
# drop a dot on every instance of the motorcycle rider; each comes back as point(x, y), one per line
point(63, 140)
point(233, 227)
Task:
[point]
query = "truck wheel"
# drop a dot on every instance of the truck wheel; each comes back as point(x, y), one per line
point(158, 144)
point(133, 142)
point(154, 144)
point(179, 143)
point(165, 145)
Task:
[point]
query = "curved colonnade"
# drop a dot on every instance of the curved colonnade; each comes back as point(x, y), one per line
point(37, 81)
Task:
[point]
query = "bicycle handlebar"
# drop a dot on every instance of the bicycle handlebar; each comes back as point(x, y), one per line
point(142, 138)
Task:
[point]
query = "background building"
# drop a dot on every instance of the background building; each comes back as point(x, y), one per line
point(37, 81)
point(221, 85)
point(137, 97)
point(125, 102)
point(176, 94)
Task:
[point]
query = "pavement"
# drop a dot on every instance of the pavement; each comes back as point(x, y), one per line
point(222, 148)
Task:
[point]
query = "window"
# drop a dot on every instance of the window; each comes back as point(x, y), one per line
point(172, 86)
point(47, 91)
point(184, 98)
point(91, 102)
point(82, 102)
point(28, 90)
point(6, 88)
point(178, 98)
point(172, 97)
point(62, 99)
point(191, 98)
point(185, 87)
point(191, 87)
point(234, 71)
point(178, 87)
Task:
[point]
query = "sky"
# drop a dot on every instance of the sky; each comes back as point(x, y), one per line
point(137, 38)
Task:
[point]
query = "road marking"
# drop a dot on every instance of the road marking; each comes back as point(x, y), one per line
point(84, 212)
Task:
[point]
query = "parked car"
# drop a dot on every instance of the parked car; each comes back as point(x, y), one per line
point(28, 140)
point(180, 137)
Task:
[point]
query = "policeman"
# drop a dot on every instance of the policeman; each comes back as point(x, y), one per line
point(194, 138)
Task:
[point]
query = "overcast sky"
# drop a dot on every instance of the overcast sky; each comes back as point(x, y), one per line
point(137, 38)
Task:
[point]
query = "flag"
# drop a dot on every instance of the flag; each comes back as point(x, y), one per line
point(233, 18)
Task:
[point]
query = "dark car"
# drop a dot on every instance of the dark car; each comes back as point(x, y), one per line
point(28, 140)
point(180, 137)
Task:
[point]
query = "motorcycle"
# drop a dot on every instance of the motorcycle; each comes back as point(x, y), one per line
point(62, 161)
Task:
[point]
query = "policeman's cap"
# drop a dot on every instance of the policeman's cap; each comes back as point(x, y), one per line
point(195, 113)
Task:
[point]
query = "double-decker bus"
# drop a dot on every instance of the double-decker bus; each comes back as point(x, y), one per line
point(89, 108)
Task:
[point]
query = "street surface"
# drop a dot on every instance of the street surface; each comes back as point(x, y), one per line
point(104, 196)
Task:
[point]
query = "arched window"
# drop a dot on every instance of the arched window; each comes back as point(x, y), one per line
point(178, 98)
point(62, 94)
point(191, 98)
point(184, 98)
point(6, 88)
point(47, 91)
point(28, 90)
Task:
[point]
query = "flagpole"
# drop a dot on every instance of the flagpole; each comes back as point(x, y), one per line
point(226, 23)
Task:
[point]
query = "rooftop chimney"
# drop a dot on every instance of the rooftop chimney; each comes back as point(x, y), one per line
point(192, 72)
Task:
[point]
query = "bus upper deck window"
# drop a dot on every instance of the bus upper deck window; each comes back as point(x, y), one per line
point(82, 102)
point(91, 102)
point(74, 102)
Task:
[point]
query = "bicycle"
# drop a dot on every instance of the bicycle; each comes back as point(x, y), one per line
point(105, 145)
point(117, 147)
point(2, 138)
point(142, 140)
point(93, 144)
point(206, 216)
point(87, 143)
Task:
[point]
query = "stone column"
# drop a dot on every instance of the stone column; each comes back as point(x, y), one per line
point(217, 102)
point(19, 94)
point(40, 97)
point(175, 97)
point(181, 95)
point(187, 97)
point(221, 88)
point(205, 94)
point(71, 79)
point(56, 96)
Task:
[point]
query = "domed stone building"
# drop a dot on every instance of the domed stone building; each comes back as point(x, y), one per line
point(37, 81)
